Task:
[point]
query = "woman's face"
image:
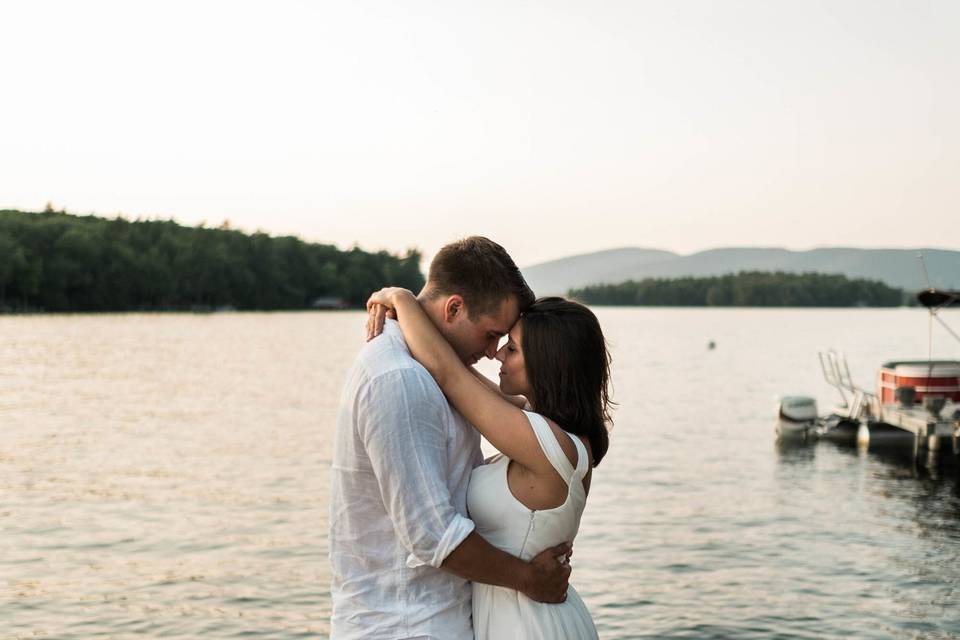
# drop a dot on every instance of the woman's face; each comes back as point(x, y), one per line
point(513, 371)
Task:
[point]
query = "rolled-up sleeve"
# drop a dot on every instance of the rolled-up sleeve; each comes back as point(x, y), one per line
point(404, 431)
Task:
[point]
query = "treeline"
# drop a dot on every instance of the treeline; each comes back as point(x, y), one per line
point(747, 289)
point(54, 261)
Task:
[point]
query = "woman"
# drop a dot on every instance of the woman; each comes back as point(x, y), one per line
point(531, 496)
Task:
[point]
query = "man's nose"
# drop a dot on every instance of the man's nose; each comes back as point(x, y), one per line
point(491, 351)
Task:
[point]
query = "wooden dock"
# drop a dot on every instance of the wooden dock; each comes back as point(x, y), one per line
point(927, 428)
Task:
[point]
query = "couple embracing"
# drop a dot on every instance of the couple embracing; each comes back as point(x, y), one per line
point(428, 540)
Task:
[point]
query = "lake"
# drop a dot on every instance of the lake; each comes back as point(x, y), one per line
point(166, 475)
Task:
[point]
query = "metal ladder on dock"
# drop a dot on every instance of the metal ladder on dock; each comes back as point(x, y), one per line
point(836, 372)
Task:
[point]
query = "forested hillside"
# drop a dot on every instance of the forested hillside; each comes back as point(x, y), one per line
point(747, 289)
point(54, 261)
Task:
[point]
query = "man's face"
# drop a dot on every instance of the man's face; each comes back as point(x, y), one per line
point(475, 338)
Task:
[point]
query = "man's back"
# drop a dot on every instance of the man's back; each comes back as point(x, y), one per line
point(401, 463)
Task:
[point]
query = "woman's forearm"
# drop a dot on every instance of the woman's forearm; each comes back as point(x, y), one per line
point(424, 340)
point(517, 401)
point(499, 420)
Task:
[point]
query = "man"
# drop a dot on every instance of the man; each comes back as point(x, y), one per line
point(402, 549)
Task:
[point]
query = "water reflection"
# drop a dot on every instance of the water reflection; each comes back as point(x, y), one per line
point(167, 476)
point(898, 455)
point(899, 522)
point(794, 451)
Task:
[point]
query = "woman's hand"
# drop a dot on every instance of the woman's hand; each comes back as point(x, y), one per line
point(380, 306)
point(376, 316)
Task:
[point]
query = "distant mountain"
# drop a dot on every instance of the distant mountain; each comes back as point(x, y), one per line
point(895, 267)
point(557, 276)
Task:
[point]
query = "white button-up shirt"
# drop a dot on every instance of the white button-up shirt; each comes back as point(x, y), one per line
point(402, 459)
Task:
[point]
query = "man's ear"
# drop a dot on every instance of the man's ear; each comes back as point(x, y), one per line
point(453, 308)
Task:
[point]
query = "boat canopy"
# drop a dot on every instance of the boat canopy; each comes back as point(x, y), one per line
point(936, 298)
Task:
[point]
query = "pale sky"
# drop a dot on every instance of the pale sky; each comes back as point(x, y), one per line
point(553, 127)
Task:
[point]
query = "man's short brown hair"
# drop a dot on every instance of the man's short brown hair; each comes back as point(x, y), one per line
point(479, 270)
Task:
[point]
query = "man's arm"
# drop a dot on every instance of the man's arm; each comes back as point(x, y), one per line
point(543, 579)
point(401, 420)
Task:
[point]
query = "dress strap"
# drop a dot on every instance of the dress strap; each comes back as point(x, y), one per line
point(583, 458)
point(554, 452)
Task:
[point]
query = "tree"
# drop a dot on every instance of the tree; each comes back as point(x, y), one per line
point(12, 261)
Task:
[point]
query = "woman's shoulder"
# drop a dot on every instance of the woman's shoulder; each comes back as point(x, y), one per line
point(565, 439)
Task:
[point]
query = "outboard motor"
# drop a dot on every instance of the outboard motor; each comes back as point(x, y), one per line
point(796, 417)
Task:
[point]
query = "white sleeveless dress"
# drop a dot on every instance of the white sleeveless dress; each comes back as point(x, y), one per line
point(504, 521)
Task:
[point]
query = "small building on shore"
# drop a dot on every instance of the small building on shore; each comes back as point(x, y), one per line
point(329, 302)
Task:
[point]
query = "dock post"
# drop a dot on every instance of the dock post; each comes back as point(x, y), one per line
point(933, 441)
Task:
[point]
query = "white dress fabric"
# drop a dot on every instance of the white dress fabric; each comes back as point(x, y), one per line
point(504, 522)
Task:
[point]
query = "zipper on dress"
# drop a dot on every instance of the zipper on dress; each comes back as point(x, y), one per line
point(529, 529)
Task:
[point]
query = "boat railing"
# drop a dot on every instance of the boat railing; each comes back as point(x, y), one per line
point(833, 365)
point(836, 372)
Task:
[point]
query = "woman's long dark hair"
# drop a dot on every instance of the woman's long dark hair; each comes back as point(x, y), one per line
point(568, 369)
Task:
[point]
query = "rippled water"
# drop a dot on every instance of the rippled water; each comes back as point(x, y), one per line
point(166, 476)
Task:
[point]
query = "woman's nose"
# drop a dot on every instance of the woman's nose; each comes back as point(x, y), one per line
point(501, 353)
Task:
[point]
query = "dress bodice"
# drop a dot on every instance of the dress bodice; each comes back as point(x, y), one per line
point(507, 523)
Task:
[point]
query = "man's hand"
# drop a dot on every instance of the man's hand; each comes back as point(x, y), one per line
point(550, 574)
point(543, 579)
